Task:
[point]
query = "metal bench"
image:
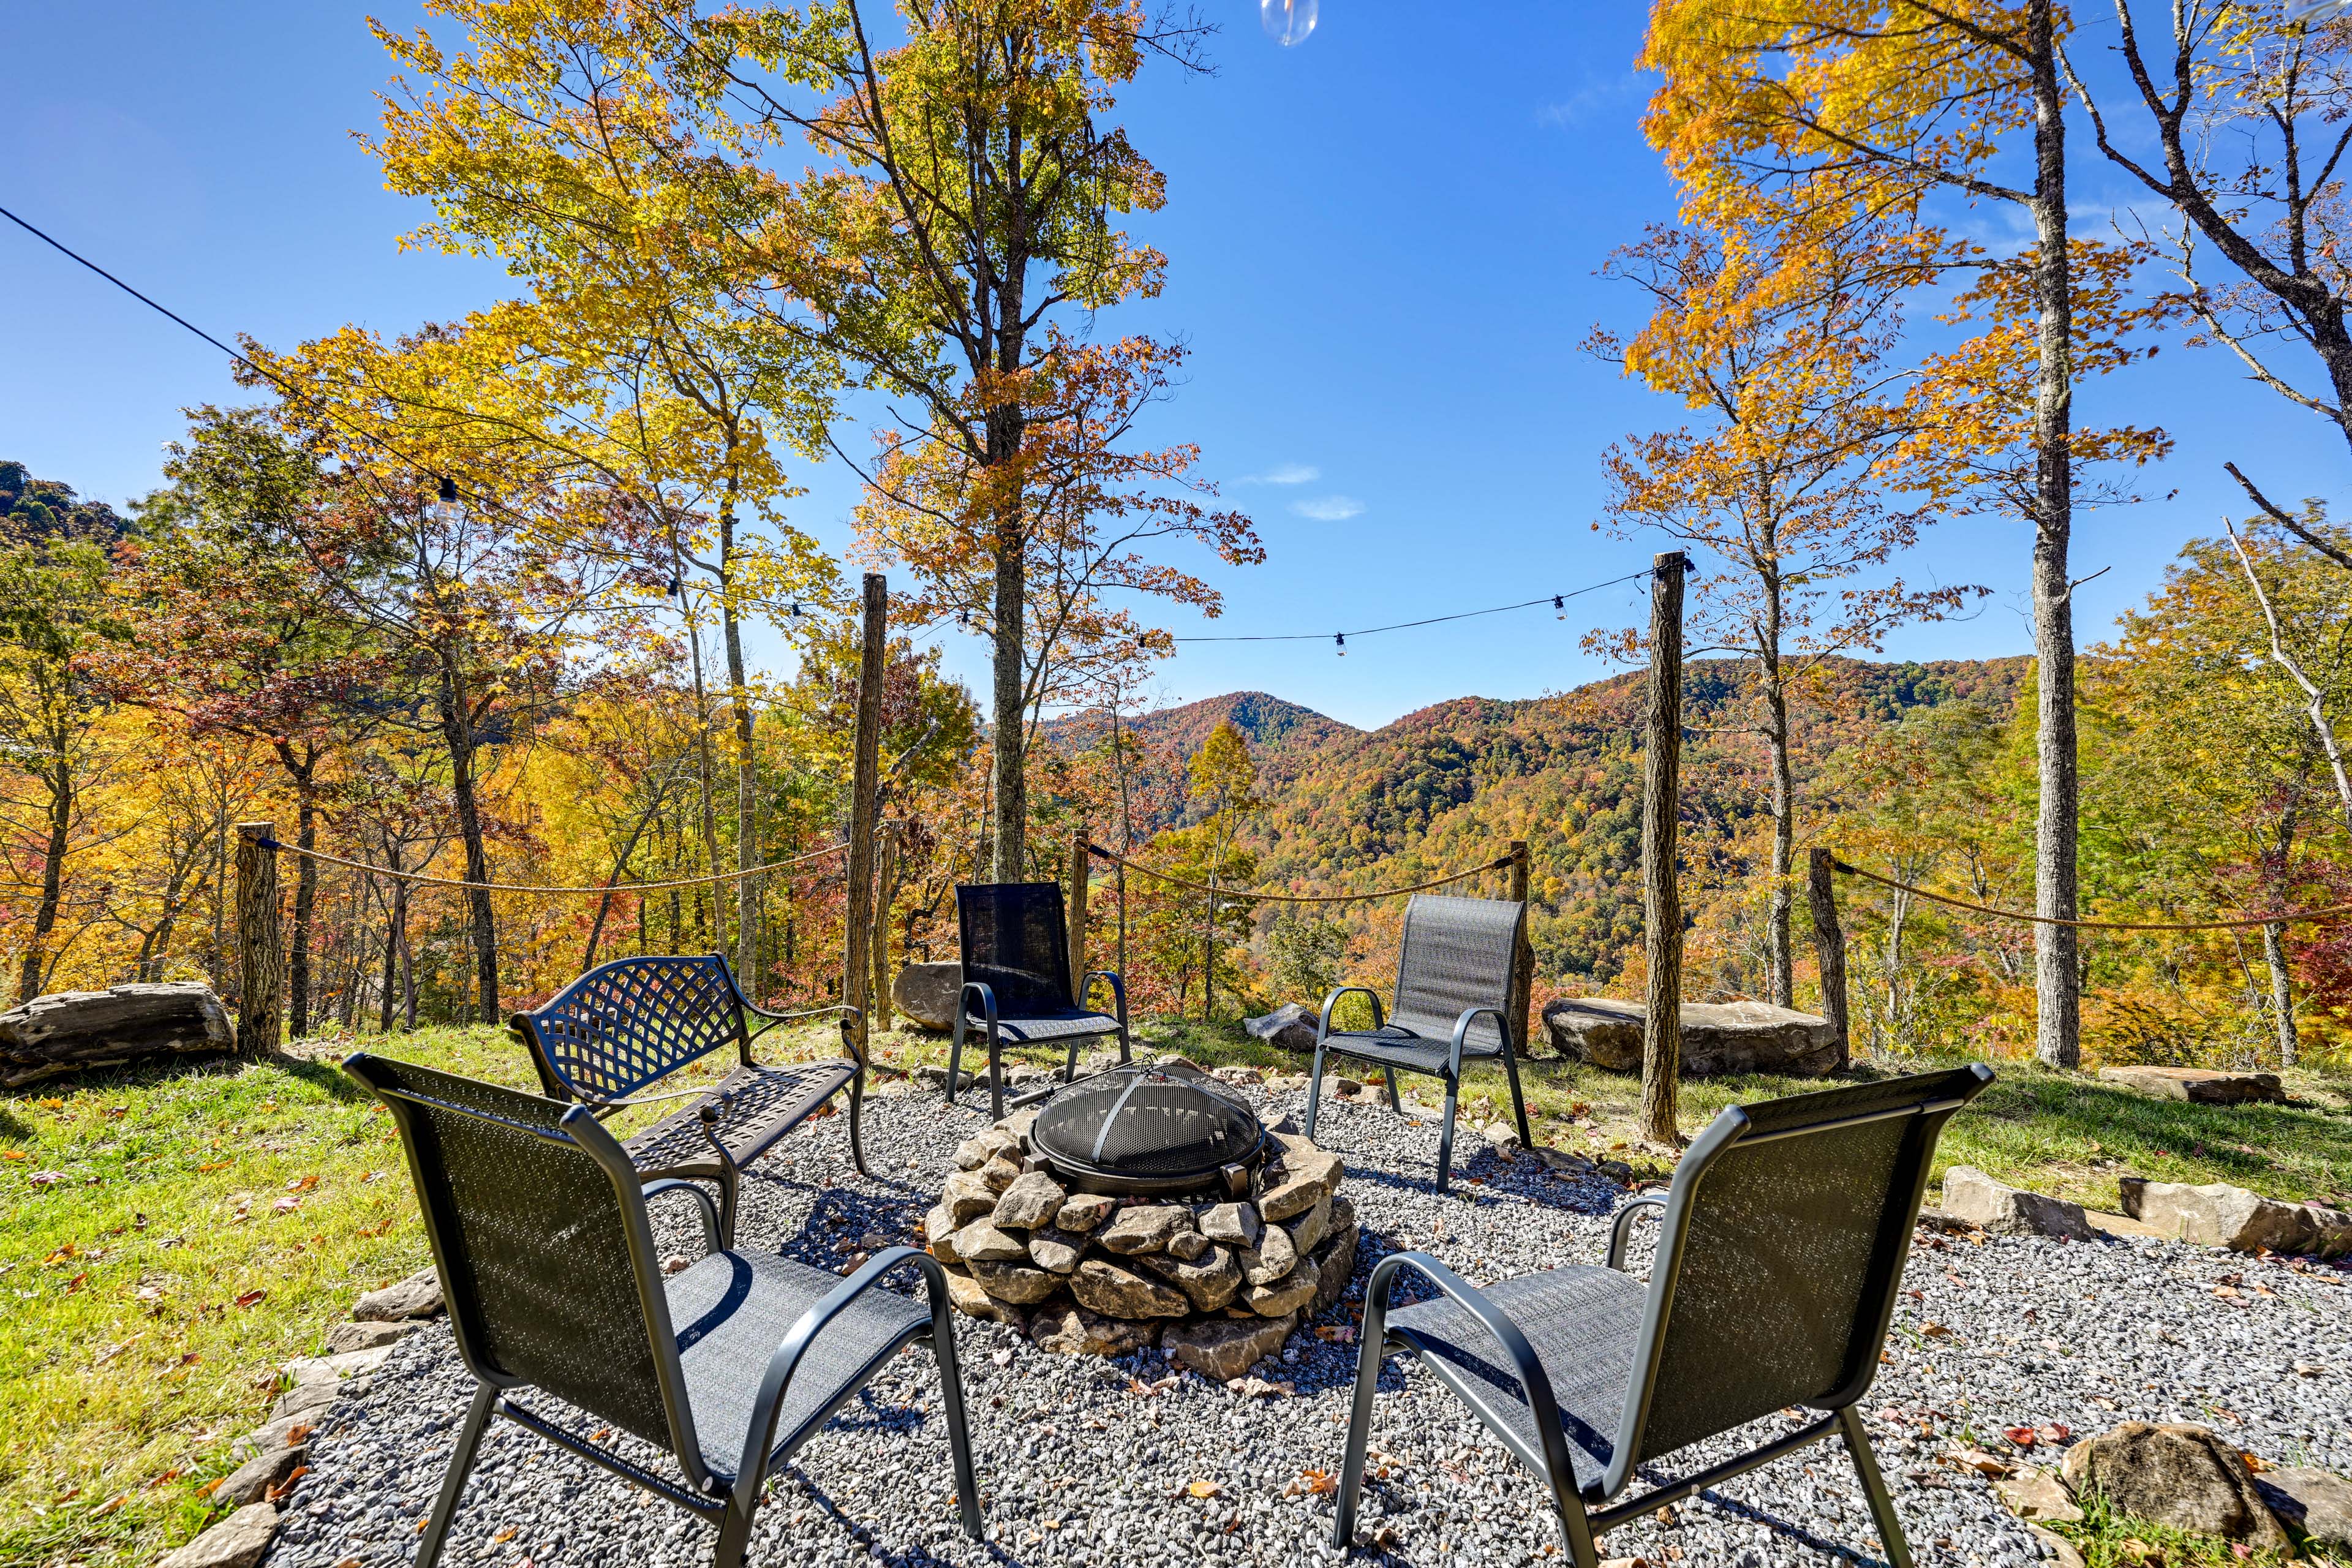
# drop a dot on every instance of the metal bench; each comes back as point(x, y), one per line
point(628, 1024)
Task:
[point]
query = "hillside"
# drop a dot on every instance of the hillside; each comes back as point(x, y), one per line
point(1452, 784)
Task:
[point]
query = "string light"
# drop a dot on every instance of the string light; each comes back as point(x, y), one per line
point(1341, 639)
point(1560, 602)
point(796, 609)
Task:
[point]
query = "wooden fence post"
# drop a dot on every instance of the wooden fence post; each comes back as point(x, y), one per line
point(1523, 960)
point(886, 872)
point(1081, 869)
point(1829, 948)
point(260, 944)
point(858, 916)
point(1662, 904)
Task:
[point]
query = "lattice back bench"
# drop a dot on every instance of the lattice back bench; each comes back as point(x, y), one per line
point(628, 1024)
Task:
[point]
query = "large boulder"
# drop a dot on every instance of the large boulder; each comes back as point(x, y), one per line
point(1290, 1026)
point(74, 1029)
point(2317, 1504)
point(2219, 1214)
point(2178, 1475)
point(928, 995)
point(2200, 1086)
point(1718, 1037)
point(1974, 1198)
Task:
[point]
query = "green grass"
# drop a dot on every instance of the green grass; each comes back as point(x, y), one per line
point(127, 1366)
point(2109, 1539)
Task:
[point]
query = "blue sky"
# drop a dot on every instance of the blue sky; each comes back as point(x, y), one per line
point(1382, 249)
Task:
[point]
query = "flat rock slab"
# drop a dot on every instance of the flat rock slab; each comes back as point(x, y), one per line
point(1998, 1209)
point(2198, 1085)
point(2219, 1214)
point(237, 1541)
point(1719, 1037)
point(2315, 1503)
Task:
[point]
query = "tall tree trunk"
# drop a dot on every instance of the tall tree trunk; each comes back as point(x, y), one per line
point(60, 782)
point(395, 924)
point(707, 770)
point(2057, 949)
point(1777, 920)
point(457, 732)
point(1009, 805)
point(305, 775)
point(747, 782)
point(2282, 992)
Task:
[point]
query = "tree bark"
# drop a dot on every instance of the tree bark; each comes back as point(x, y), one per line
point(59, 779)
point(2057, 955)
point(457, 733)
point(1662, 908)
point(1778, 917)
point(747, 782)
point(1009, 804)
point(864, 778)
point(1829, 950)
point(260, 944)
point(304, 772)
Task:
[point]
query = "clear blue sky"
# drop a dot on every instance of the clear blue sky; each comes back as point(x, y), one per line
point(1381, 245)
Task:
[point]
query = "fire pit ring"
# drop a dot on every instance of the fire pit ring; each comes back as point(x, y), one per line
point(1139, 1128)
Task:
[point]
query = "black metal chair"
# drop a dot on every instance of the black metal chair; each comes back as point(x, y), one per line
point(539, 1228)
point(1017, 981)
point(1780, 1248)
point(1455, 983)
point(628, 1024)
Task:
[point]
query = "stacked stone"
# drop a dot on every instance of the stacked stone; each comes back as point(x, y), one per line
point(1216, 1285)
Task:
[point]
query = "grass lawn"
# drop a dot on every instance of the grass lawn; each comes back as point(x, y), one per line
point(169, 1234)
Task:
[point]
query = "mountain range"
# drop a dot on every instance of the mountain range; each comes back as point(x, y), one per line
point(1451, 785)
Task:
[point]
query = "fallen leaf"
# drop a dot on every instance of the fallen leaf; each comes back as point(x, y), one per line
point(2055, 1432)
point(278, 1493)
point(211, 1166)
point(503, 1536)
point(1204, 1488)
point(301, 1183)
point(287, 1204)
point(1317, 1483)
point(12, 1154)
point(110, 1505)
point(253, 1298)
point(2023, 1437)
point(1934, 1331)
point(296, 1435)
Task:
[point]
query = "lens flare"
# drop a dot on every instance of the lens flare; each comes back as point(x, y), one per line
point(1288, 22)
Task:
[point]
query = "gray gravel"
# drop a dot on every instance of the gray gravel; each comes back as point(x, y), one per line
point(1076, 1467)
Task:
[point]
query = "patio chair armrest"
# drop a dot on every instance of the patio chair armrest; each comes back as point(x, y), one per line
point(1462, 1033)
point(760, 1438)
point(1323, 1025)
point(1620, 1229)
point(1543, 1409)
point(1118, 988)
point(664, 1186)
point(987, 998)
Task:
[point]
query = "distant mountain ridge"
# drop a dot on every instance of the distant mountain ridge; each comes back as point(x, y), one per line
point(1450, 784)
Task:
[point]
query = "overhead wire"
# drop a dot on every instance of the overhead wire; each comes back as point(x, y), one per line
point(1554, 600)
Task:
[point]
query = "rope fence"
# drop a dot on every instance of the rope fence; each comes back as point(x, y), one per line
point(420, 879)
point(2276, 917)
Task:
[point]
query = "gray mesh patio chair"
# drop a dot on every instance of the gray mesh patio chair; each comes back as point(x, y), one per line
point(1780, 1248)
point(625, 1026)
point(1453, 1001)
point(538, 1229)
point(1017, 981)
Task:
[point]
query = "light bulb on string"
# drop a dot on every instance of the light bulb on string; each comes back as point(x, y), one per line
point(1559, 603)
point(1341, 639)
point(1288, 22)
point(796, 609)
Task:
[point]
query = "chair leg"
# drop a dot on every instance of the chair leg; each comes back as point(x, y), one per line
point(1314, 1093)
point(1446, 1137)
point(995, 1075)
point(461, 1462)
point(1360, 1435)
point(735, 1524)
point(1518, 1101)
point(955, 1053)
point(1575, 1527)
point(856, 1106)
point(1873, 1487)
point(1126, 1047)
point(959, 1432)
point(1395, 1103)
point(1070, 1067)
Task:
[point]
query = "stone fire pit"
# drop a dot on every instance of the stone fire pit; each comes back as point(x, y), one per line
point(1217, 1283)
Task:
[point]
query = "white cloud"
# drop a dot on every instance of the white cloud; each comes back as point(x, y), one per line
point(1597, 95)
point(1286, 474)
point(1328, 508)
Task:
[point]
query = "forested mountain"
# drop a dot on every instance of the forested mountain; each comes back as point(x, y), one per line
point(1452, 785)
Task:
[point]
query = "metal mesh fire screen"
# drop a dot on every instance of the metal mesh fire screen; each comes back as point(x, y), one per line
point(1142, 1128)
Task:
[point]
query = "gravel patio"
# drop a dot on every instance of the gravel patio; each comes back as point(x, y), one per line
point(1086, 1460)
